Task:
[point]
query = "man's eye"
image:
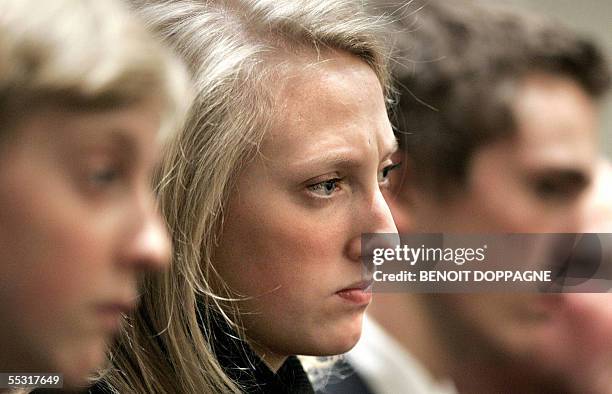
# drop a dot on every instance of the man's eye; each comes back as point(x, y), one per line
point(383, 175)
point(559, 189)
point(325, 188)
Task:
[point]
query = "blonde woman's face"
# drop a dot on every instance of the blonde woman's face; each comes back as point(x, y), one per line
point(291, 238)
point(78, 224)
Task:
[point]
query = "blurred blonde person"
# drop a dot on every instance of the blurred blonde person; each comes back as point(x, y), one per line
point(86, 98)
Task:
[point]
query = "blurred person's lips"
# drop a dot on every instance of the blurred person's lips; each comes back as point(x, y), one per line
point(110, 314)
point(359, 293)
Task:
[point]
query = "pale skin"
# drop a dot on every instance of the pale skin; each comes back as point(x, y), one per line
point(291, 238)
point(78, 227)
point(535, 182)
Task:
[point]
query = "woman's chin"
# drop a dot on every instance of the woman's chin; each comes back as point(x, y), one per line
point(341, 338)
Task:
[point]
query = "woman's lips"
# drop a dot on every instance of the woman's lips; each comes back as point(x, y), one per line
point(359, 293)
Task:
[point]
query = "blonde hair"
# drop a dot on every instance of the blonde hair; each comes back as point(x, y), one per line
point(83, 54)
point(235, 50)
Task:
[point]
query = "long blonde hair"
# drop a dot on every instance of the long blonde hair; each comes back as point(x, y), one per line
point(234, 50)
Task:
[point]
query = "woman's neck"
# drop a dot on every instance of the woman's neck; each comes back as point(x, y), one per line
point(272, 360)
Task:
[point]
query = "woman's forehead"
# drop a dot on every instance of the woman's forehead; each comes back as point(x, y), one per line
point(334, 100)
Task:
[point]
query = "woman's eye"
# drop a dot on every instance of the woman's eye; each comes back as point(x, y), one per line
point(383, 175)
point(325, 188)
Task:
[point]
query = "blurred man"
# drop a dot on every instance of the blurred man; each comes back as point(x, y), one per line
point(497, 122)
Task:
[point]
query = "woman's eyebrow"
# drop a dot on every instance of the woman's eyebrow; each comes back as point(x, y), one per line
point(334, 158)
point(343, 158)
point(389, 147)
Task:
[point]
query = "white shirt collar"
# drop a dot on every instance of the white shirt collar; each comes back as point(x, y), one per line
point(388, 368)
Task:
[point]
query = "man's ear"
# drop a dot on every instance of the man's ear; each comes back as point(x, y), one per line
point(399, 194)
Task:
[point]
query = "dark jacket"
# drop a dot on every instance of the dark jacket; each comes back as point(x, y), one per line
point(242, 365)
point(245, 368)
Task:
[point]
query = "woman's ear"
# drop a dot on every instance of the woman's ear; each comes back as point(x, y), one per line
point(399, 195)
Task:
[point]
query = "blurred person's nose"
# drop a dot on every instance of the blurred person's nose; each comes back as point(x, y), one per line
point(149, 246)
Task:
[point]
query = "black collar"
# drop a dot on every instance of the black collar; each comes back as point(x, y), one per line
point(244, 367)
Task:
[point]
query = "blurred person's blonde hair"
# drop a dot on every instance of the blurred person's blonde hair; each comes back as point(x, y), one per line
point(238, 52)
point(83, 55)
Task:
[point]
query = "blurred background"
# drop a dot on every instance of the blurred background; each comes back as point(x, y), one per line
point(591, 17)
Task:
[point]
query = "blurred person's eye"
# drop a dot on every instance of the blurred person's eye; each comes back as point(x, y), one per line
point(103, 172)
point(561, 186)
point(325, 188)
point(383, 175)
point(104, 176)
